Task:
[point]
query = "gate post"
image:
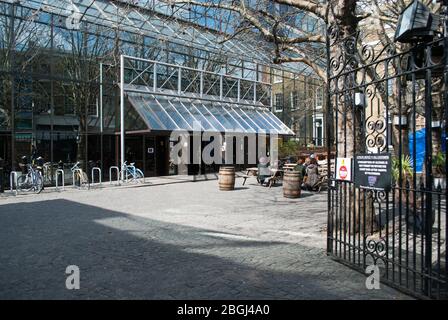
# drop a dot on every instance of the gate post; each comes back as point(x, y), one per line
point(428, 180)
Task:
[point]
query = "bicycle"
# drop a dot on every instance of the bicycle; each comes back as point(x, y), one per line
point(32, 180)
point(131, 173)
point(81, 176)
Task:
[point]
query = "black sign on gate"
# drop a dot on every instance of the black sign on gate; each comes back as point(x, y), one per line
point(373, 171)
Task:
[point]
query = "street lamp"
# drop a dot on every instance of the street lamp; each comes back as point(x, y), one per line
point(416, 24)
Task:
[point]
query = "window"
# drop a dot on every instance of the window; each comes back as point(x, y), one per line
point(318, 132)
point(278, 76)
point(278, 103)
point(294, 100)
point(319, 98)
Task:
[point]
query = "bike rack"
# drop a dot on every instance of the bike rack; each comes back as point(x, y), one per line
point(13, 181)
point(118, 174)
point(73, 177)
point(57, 178)
point(99, 175)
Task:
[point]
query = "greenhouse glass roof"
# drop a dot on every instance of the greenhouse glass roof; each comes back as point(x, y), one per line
point(159, 25)
point(173, 114)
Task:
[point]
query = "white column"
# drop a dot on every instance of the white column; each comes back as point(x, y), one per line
point(122, 114)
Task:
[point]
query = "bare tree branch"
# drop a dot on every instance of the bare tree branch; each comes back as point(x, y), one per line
point(319, 9)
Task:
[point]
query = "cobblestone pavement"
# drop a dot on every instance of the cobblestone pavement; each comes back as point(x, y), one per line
point(173, 241)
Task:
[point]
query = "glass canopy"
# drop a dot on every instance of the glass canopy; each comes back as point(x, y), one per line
point(160, 25)
point(175, 113)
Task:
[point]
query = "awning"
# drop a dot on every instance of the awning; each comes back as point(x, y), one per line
point(179, 113)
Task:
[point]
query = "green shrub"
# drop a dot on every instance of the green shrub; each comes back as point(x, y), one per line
point(438, 162)
point(407, 170)
point(289, 148)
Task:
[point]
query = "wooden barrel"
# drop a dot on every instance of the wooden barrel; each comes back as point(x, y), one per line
point(291, 184)
point(226, 178)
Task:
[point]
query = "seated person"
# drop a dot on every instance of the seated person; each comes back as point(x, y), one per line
point(312, 175)
point(300, 166)
point(263, 170)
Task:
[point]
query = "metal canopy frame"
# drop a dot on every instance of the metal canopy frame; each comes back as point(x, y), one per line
point(140, 76)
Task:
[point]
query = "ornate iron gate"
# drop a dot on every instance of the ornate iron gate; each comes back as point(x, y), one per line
point(381, 101)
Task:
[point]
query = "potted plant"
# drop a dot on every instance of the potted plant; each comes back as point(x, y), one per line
point(406, 169)
point(438, 162)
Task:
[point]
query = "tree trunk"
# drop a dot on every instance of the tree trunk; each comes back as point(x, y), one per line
point(351, 139)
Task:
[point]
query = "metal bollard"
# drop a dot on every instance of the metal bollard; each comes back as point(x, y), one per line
point(2, 176)
point(118, 174)
point(13, 181)
point(99, 175)
point(57, 178)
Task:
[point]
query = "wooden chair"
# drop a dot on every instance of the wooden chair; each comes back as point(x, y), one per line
point(276, 176)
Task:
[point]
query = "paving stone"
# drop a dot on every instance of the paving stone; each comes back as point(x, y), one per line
point(173, 241)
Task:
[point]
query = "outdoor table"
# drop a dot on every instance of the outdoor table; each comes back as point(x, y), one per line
point(252, 171)
point(276, 174)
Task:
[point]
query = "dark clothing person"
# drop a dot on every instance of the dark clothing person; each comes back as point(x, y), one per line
point(312, 176)
point(300, 168)
point(24, 165)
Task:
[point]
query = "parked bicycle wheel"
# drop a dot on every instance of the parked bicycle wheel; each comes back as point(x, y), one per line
point(30, 182)
point(139, 176)
point(38, 183)
point(24, 183)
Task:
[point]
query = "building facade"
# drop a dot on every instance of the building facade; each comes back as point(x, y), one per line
point(60, 75)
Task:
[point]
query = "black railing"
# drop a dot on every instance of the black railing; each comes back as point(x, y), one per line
point(403, 230)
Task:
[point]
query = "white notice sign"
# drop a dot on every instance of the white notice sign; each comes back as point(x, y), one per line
point(344, 169)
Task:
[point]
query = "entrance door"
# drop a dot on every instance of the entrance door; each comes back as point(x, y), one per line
point(150, 159)
point(162, 155)
point(134, 151)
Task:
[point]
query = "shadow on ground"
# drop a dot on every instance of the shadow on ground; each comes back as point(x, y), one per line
point(123, 256)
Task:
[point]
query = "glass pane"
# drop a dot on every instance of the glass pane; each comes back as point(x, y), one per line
point(246, 118)
point(189, 118)
point(218, 112)
point(263, 124)
point(284, 128)
point(155, 106)
point(269, 120)
point(198, 116)
point(233, 119)
point(241, 121)
point(203, 109)
point(140, 105)
point(255, 119)
point(176, 116)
